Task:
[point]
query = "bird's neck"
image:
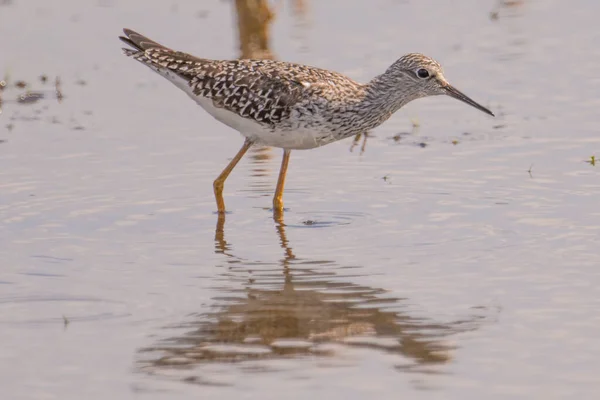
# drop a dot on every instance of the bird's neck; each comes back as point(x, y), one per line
point(384, 96)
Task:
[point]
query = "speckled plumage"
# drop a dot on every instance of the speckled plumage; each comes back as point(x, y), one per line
point(284, 99)
point(288, 105)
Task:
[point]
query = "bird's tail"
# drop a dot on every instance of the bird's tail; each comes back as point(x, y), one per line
point(139, 43)
point(177, 67)
point(154, 54)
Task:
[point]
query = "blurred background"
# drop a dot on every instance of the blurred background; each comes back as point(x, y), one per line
point(446, 255)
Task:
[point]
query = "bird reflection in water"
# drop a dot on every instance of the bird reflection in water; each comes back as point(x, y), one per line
point(298, 307)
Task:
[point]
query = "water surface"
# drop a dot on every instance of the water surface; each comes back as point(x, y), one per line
point(456, 259)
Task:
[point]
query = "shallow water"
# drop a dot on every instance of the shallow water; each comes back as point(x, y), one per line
point(456, 259)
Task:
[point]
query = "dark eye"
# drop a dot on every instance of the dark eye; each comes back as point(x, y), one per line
point(422, 73)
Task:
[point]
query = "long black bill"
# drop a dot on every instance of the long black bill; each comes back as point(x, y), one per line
point(457, 94)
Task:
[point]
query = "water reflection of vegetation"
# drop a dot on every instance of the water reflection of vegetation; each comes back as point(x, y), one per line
point(254, 18)
point(295, 308)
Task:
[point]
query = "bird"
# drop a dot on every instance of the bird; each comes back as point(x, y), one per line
point(288, 105)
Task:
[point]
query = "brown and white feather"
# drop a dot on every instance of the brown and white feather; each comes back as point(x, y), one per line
point(277, 103)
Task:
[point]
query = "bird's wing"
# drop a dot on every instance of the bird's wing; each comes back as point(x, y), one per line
point(262, 90)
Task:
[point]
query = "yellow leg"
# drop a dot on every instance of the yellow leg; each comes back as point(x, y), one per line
point(219, 183)
point(278, 198)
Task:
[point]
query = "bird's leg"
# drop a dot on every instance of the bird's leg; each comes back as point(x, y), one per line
point(364, 145)
point(355, 141)
point(220, 181)
point(278, 198)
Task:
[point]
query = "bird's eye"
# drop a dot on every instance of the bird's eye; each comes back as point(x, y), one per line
point(422, 73)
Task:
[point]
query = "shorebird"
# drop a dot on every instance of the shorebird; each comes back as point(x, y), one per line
point(291, 106)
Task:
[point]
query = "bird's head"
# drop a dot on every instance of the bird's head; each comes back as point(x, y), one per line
point(423, 76)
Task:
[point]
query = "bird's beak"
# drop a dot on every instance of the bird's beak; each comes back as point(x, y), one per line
point(457, 94)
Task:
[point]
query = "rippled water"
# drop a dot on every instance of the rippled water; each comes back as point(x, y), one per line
point(458, 258)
